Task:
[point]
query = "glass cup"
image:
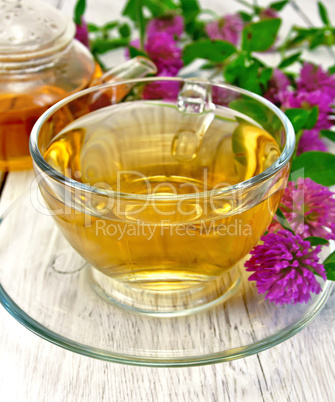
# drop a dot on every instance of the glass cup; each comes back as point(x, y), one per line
point(163, 185)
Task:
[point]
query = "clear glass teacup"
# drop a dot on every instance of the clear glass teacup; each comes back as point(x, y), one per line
point(163, 185)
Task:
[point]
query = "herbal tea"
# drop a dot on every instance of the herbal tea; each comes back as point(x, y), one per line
point(26, 95)
point(18, 114)
point(175, 230)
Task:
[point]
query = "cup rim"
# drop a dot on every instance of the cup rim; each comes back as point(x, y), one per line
point(283, 159)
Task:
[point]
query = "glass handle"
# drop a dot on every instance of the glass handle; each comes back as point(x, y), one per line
point(195, 102)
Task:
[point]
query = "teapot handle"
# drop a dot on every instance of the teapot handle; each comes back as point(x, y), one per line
point(137, 67)
point(134, 68)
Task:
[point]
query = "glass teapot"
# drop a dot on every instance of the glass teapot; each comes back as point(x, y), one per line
point(41, 63)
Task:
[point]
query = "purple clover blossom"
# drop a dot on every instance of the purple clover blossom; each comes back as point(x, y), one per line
point(311, 141)
point(161, 90)
point(278, 84)
point(82, 33)
point(170, 24)
point(305, 99)
point(163, 51)
point(309, 208)
point(228, 28)
point(313, 78)
point(283, 268)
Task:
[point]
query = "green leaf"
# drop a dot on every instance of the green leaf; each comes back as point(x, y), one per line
point(298, 118)
point(316, 241)
point(235, 69)
point(300, 35)
point(317, 40)
point(196, 29)
point(265, 76)
point(313, 36)
point(133, 52)
point(249, 80)
point(313, 115)
point(258, 112)
point(323, 14)
point(289, 60)
point(214, 51)
point(331, 70)
point(245, 16)
point(252, 85)
point(248, 74)
point(190, 8)
point(330, 258)
point(330, 271)
point(110, 25)
point(329, 264)
point(159, 8)
point(303, 118)
point(328, 134)
point(317, 165)
point(124, 30)
point(156, 7)
point(283, 221)
point(168, 4)
point(260, 36)
point(291, 76)
point(93, 28)
point(130, 10)
point(250, 108)
point(257, 9)
point(104, 45)
point(190, 11)
point(329, 37)
point(278, 5)
point(307, 31)
point(79, 11)
point(255, 59)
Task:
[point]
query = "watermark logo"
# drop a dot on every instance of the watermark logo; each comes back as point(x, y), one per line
point(121, 231)
point(163, 207)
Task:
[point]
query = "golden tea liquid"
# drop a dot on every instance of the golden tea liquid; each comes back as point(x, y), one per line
point(18, 114)
point(25, 96)
point(169, 229)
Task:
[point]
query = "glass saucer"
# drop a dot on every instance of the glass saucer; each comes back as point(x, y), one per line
point(44, 286)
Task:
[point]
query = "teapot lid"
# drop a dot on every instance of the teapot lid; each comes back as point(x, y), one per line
point(32, 29)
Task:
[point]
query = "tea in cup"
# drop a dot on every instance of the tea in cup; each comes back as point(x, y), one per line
point(166, 190)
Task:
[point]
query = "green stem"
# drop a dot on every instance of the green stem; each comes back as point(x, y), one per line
point(140, 22)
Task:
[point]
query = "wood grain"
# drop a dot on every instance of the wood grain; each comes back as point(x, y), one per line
point(300, 369)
